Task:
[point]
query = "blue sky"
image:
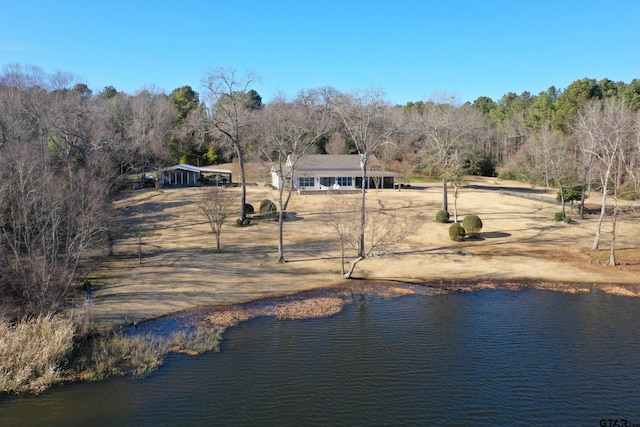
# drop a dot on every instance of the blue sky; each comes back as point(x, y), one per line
point(409, 49)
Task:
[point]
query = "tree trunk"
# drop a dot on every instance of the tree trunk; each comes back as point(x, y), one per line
point(612, 254)
point(243, 181)
point(445, 201)
point(281, 215)
point(363, 207)
point(584, 185)
point(342, 255)
point(603, 208)
point(455, 202)
point(614, 220)
point(586, 180)
point(349, 274)
point(564, 214)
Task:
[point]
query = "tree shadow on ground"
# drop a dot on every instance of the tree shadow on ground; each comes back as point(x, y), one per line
point(523, 190)
point(293, 216)
point(491, 235)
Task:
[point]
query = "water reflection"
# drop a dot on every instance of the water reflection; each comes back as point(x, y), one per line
point(484, 358)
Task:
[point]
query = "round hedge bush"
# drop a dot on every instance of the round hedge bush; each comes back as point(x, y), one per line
point(442, 216)
point(248, 208)
point(456, 232)
point(268, 208)
point(472, 225)
point(558, 216)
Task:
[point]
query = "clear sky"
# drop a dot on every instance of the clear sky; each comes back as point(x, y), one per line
point(411, 49)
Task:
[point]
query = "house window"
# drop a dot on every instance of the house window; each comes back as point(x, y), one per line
point(306, 181)
point(345, 181)
point(327, 182)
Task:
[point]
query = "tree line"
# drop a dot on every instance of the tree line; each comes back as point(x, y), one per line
point(65, 152)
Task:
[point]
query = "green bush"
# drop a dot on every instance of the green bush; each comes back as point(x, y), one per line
point(268, 208)
point(248, 208)
point(567, 219)
point(472, 225)
point(243, 222)
point(442, 216)
point(456, 232)
point(570, 194)
point(558, 216)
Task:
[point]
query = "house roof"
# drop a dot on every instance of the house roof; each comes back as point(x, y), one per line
point(332, 164)
point(191, 168)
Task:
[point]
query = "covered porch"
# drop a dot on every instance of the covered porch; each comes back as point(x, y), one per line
point(184, 175)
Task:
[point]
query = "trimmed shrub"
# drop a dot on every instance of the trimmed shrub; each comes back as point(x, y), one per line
point(243, 222)
point(570, 194)
point(248, 208)
point(442, 216)
point(268, 209)
point(558, 216)
point(472, 225)
point(567, 219)
point(456, 232)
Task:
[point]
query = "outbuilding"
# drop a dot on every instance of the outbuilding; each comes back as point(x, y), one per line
point(184, 175)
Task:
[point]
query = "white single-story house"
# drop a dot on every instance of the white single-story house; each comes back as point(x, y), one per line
point(333, 172)
point(184, 175)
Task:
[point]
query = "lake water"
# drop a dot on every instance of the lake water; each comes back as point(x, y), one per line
point(485, 358)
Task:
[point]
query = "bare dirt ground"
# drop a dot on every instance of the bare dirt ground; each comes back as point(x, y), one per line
point(180, 269)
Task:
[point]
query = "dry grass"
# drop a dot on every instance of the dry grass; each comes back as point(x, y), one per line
point(119, 354)
point(34, 352)
point(180, 268)
point(308, 308)
point(37, 353)
point(200, 341)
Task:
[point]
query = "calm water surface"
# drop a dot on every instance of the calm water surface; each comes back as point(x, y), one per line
point(484, 358)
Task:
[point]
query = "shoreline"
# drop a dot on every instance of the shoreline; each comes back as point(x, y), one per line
point(328, 300)
point(140, 348)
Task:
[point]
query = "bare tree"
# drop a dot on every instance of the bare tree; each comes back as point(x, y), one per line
point(562, 166)
point(290, 131)
point(366, 120)
point(343, 212)
point(112, 136)
point(443, 130)
point(336, 144)
point(16, 122)
point(399, 157)
point(46, 228)
point(229, 108)
point(632, 155)
point(604, 128)
point(217, 204)
point(151, 126)
point(53, 210)
point(550, 154)
point(384, 228)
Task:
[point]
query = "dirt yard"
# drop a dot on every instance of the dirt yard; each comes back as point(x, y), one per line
point(180, 268)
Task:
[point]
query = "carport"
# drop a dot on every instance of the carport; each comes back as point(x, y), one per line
point(184, 175)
